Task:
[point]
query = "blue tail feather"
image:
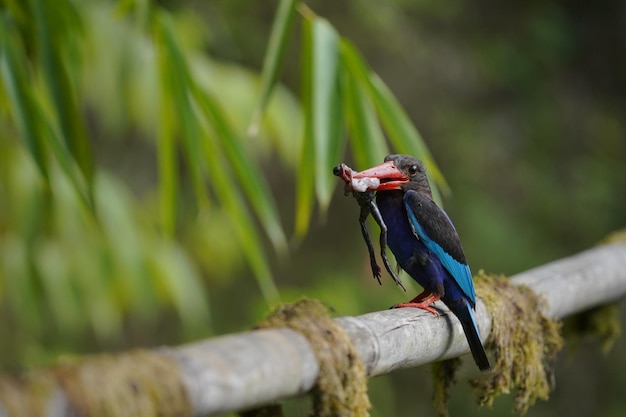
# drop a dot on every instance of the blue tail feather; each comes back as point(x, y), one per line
point(465, 314)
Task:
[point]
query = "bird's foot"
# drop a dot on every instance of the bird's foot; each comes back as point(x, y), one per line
point(422, 301)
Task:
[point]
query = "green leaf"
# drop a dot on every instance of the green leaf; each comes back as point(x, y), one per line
point(323, 140)
point(35, 127)
point(305, 177)
point(219, 172)
point(205, 153)
point(402, 133)
point(368, 141)
point(51, 20)
point(167, 165)
point(125, 245)
point(248, 175)
point(53, 269)
point(79, 240)
point(177, 88)
point(65, 160)
point(14, 73)
point(275, 51)
point(100, 304)
point(324, 97)
point(181, 285)
point(337, 139)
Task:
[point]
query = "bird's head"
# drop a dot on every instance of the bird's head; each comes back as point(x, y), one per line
point(398, 172)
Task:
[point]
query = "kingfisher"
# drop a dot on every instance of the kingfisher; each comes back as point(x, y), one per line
point(425, 243)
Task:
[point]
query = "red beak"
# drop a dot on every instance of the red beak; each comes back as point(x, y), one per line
point(390, 177)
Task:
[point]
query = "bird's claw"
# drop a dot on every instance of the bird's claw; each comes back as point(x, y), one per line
point(423, 301)
point(421, 306)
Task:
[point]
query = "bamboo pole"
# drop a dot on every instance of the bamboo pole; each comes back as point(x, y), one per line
point(250, 369)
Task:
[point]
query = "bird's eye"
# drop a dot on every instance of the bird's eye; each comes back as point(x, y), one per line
point(413, 170)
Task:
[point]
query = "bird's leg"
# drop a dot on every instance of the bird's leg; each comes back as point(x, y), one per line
point(365, 211)
point(383, 243)
point(419, 297)
point(422, 301)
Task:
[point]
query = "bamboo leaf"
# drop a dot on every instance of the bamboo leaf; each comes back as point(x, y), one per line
point(368, 141)
point(125, 245)
point(305, 180)
point(50, 20)
point(275, 51)
point(337, 139)
point(35, 127)
point(402, 133)
point(77, 236)
point(322, 141)
point(166, 154)
point(176, 79)
point(14, 77)
point(100, 307)
point(56, 282)
point(248, 175)
point(324, 105)
point(241, 220)
point(167, 165)
point(198, 143)
point(181, 284)
point(65, 160)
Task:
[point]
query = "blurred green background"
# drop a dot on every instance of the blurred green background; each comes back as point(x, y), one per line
point(129, 201)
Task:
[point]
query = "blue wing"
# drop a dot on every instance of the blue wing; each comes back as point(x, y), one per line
point(434, 228)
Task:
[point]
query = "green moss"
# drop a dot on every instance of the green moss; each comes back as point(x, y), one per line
point(600, 323)
point(619, 236)
point(524, 342)
point(341, 387)
point(141, 383)
point(444, 376)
